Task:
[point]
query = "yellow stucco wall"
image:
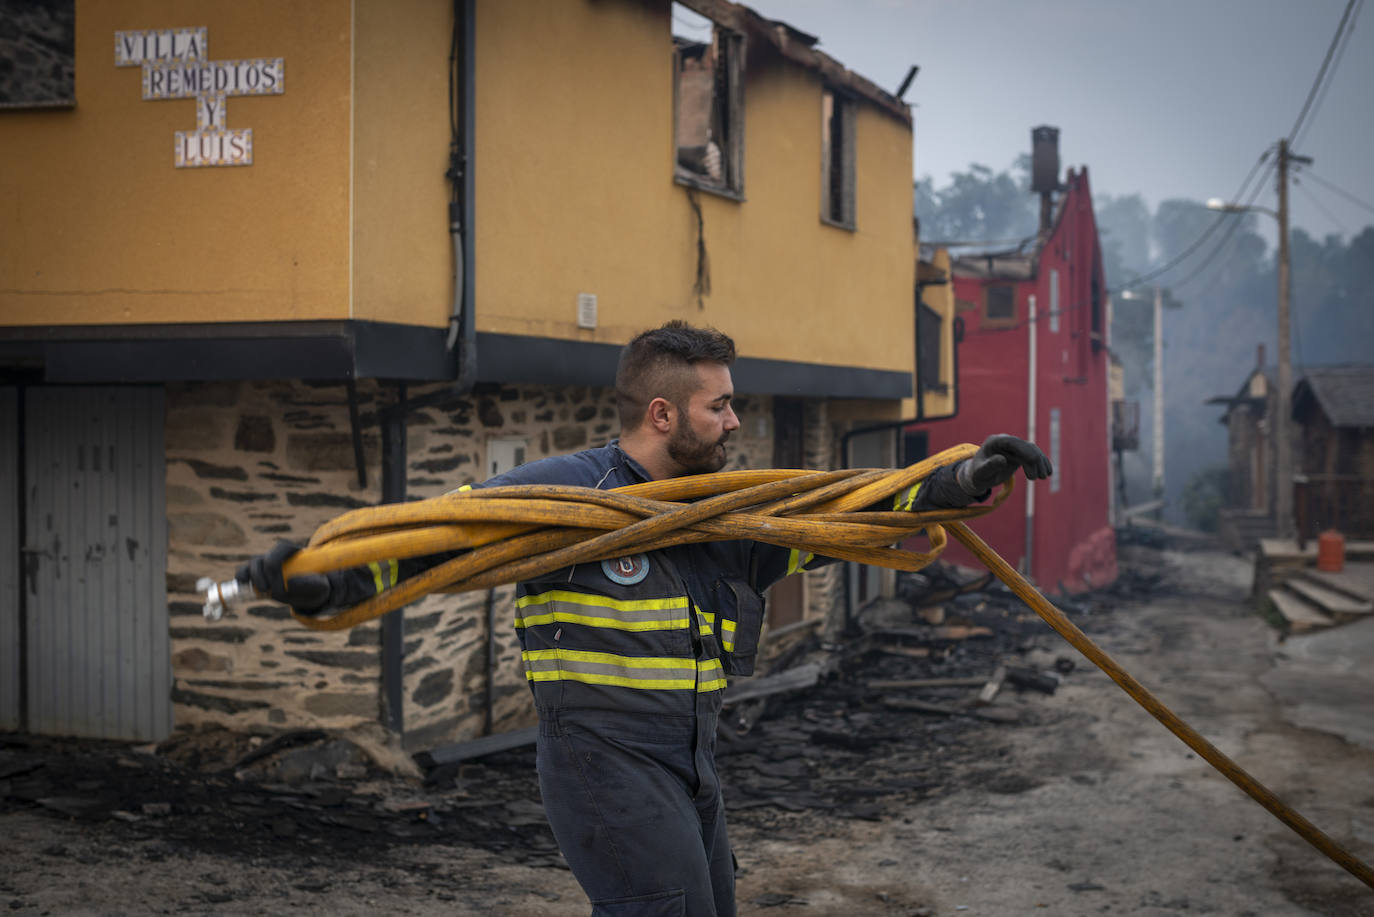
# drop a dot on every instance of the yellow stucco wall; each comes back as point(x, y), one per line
point(343, 212)
point(576, 195)
point(98, 224)
point(402, 253)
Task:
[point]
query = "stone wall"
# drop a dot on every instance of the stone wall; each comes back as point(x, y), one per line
point(249, 463)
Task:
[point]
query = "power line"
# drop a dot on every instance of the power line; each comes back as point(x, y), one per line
point(1212, 227)
point(1318, 86)
point(1343, 193)
point(1320, 206)
point(1321, 73)
point(1335, 63)
point(1230, 231)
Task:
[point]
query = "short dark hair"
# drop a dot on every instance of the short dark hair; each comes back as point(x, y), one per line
point(657, 364)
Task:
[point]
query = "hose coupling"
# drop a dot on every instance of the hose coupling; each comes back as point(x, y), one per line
point(219, 596)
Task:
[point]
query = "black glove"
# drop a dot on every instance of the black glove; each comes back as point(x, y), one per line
point(997, 460)
point(307, 593)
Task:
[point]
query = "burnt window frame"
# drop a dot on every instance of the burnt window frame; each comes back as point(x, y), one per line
point(997, 321)
point(930, 330)
point(838, 203)
point(731, 73)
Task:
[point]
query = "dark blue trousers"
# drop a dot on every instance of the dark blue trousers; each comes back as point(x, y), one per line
point(635, 805)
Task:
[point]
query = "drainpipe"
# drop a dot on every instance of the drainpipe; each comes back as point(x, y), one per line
point(1030, 430)
point(393, 624)
point(462, 322)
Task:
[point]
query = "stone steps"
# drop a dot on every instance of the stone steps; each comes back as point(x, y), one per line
point(1330, 598)
point(1302, 616)
point(1356, 581)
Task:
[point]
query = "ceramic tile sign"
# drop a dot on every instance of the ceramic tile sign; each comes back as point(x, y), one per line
point(176, 65)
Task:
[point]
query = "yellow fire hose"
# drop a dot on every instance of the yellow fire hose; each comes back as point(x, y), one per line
point(508, 534)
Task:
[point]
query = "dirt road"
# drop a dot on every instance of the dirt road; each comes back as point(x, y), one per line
point(1084, 806)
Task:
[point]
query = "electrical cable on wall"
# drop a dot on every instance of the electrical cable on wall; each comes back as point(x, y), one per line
point(701, 287)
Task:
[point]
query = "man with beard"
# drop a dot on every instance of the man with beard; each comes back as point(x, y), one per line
point(627, 658)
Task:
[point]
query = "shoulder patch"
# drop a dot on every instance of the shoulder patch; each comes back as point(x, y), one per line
point(626, 571)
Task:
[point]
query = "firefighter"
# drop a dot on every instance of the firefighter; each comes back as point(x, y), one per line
point(628, 658)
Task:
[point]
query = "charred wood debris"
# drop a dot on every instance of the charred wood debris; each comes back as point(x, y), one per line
point(856, 727)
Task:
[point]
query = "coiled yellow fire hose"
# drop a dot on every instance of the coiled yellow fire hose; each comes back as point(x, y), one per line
point(508, 534)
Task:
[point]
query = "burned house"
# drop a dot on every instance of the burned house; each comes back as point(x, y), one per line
point(1034, 321)
point(1333, 408)
point(1333, 449)
point(281, 263)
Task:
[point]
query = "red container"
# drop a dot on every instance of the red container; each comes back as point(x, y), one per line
point(1331, 551)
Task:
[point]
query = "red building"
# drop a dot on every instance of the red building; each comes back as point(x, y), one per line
point(1033, 362)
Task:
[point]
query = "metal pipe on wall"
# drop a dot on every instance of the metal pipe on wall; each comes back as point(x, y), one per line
point(1030, 429)
point(462, 329)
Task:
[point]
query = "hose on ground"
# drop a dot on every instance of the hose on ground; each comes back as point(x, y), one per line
point(508, 534)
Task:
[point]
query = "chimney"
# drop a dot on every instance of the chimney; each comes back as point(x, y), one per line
point(1259, 357)
point(1044, 159)
point(1045, 169)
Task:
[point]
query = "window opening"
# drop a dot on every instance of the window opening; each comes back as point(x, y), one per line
point(708, 103)
point(1057, 478)
point(928, 368)
point(999, 305)
point(837, 159)
point(1054, 300)
point(915, 446)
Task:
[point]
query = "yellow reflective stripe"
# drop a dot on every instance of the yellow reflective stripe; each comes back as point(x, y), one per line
point(583, 598)
point(619, 681)
point(629, 662)
point(704, 621)
point(644, 672)
point(384, 580)
point(600, 611)
point(904, 501)
point(710, 676)
point(796, 560)
point(727, 635)
point(465, 487)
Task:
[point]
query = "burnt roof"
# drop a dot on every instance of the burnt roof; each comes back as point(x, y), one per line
point(799, 47)
point(1023, 261)
point(1344, 393)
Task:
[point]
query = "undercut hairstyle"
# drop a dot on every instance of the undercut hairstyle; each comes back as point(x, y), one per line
point(659, 364)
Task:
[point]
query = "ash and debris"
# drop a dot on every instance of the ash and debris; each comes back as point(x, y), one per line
point(849, 746)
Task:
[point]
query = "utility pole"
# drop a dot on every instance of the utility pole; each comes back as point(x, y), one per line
point(1158, 437)
point(1283, 461)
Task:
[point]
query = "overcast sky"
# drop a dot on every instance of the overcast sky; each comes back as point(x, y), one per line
point(1168, 98)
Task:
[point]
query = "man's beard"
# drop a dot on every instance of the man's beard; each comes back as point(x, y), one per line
point(695, 454)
